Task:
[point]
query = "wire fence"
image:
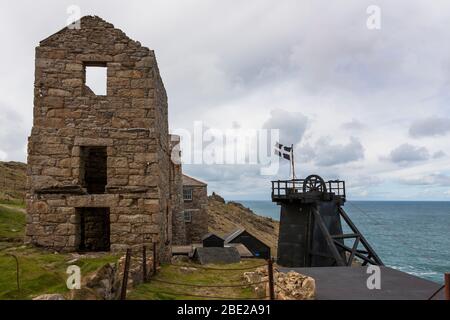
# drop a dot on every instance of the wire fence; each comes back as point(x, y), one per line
point(179, 293)
point(153, 278)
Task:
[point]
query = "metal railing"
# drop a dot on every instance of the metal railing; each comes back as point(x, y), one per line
point(286, 188)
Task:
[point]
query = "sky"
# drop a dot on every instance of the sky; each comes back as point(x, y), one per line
point(369, 105)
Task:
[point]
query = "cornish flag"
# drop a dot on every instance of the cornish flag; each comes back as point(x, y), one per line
point(283, 152)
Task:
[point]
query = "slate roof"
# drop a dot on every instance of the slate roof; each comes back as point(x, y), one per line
point(206, 236)
point(233, 235)
point(242, 249)
point(189, 181)
point(217, 255)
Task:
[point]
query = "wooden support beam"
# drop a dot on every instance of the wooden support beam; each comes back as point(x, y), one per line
point(352, 254)
point(363, 257)
point(447, 286)
point(345, 236)
point(329, 240)
point(363, 240)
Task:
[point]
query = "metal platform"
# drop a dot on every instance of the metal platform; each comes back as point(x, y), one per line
point(308, 190)
point(349, 283)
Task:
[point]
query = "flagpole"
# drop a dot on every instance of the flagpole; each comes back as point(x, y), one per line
point(293, 166)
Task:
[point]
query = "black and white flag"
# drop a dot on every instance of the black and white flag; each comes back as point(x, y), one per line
point(283, 151)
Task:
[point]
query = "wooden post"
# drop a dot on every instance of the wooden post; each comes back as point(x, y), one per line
point(293, 168)
point(17, 270)
point(123, 293)
point(144, 263)
point(271, 282)
point(447, 286)
point(293, 163)
point(154, 258)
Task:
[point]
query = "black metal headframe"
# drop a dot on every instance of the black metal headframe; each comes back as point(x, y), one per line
point(313, 190)
point(367, 255)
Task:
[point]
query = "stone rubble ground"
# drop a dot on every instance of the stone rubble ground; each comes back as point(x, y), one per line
point(288, 286)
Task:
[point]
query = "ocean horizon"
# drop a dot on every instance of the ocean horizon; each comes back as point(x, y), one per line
point(410, 236)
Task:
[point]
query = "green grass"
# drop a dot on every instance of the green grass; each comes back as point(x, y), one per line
point(161, 291)
point(40, 271)
point(19, 203)
point(12, 224)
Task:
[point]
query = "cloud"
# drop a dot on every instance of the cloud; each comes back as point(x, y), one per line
point(13, 134)
point(430, 127)
point(328, 154)
point(406, 153)
point(354, 125)
point(292, 125)
point(434, 179)
point(439, 154)
point(237, 66)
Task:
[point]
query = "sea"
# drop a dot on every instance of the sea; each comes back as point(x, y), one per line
point(409, 236)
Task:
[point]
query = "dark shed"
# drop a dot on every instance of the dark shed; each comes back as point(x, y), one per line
point(258, 248)
point(211, 240)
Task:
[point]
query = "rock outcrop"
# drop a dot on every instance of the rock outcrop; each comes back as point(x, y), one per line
point(224, 218)
point(288, 286)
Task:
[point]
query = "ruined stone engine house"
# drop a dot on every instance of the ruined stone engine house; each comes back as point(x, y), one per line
point(99, 167)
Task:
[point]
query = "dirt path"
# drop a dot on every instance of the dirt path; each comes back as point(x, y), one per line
point(23, 210)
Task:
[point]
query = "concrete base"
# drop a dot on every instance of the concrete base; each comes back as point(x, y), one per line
point(345, 283)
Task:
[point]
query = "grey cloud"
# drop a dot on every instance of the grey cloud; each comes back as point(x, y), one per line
point(353, 125)
point(328, 154)
point(13, 135)
point(434, 179)
point(439, 154)
point(430, 127)
point(292, 125)
point(247, 55)
point(406, 153)
point(364, 181)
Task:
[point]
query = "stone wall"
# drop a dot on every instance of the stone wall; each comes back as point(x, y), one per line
point(130, 122)
point(198, 226)
point(176, 194)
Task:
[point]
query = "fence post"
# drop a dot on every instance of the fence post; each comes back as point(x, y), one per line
point(447, 286)
point(144, 263)
point(123, 293)
point(17, 270)
point(271, 282)
point(154, 258)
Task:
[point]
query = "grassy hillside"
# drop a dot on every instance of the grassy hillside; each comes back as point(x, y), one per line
point(12, 182)
point(227, 217)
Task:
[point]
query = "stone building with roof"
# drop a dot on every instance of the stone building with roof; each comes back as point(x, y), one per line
point(195, 197)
